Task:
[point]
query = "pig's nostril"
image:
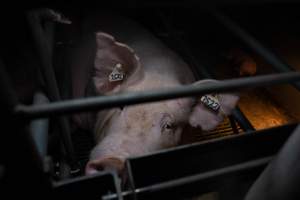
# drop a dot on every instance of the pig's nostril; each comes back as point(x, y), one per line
point(110, 163)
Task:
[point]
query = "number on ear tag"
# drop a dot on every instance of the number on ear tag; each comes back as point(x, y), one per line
point(211, 102)
point(117, 74)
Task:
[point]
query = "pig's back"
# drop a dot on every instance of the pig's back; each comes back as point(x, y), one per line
point(155, 57)
point(157, 60)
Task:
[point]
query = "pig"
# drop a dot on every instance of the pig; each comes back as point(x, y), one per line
point(141, 62)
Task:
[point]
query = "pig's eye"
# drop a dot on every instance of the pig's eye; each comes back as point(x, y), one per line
point(167, 126)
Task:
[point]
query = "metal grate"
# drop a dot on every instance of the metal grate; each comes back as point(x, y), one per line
point(223, 129)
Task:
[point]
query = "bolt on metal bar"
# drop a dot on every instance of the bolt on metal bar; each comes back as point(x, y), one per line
point(105, 102)
point(278, 64)
point(42, 39)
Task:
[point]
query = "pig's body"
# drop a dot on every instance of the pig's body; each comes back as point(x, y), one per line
point(157, 59)
point(148, 64)
point(162, 67)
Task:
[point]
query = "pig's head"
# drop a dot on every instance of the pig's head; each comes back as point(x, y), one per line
point(141, 129)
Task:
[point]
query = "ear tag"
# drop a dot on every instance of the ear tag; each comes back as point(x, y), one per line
point(211, 102)
point(117, 74)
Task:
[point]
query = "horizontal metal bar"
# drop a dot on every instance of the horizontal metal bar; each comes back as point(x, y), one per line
point(270, 57)
point(105, 102)
point(188, 4)
point(178, 183)
point(185, 180)
point(91, 187)
point(225, 152)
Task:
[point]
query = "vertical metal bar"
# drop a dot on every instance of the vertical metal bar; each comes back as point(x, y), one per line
point(49, 30)
point(278, 64)
point(131, 180)
point(201, 71)
point(18, 153)
point(42, 41)
point(117, 182)
point(233, 125)
point(39, 128)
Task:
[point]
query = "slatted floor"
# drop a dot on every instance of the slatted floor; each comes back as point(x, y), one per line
point(223, 129)
point(191, 135)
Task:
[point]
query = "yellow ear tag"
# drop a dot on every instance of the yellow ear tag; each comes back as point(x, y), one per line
point(117, 74)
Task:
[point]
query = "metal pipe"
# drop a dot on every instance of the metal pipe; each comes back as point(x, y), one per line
point(198, 178)
point(242, 120)
point(105, 102)
point(278, 64)
point(226, 170)
point(39, 128)
point(42, 38)
point(200, 70)
point(49, 30)
point(281, 178)
point(17, 148)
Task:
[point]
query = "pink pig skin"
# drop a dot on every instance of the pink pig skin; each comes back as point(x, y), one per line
point(148, 64)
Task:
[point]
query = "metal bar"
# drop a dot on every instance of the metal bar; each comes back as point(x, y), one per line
point(91, 187)
point(131, 185)
point(281, 178)
point(242, 120)
point(225, 152)
point(42, 40)
point(200, 70)
point(17, 147)
point(233, 125)
point(231, 169)
point(230, 151)
point(254, 44)
point(190, 4)
point(49, 34)
point(170, 187)
point(105, 102)
point(39, 128)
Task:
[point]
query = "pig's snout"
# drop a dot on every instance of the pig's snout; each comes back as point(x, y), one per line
point(111, 163)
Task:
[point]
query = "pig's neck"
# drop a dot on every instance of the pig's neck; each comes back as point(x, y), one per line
point(154, 80)
point(161, 64)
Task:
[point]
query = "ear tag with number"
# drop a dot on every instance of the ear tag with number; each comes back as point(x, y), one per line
point(211, 102)
point(117, 74)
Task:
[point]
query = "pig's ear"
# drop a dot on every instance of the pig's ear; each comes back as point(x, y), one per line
point(208, 118)
point(116, 65)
